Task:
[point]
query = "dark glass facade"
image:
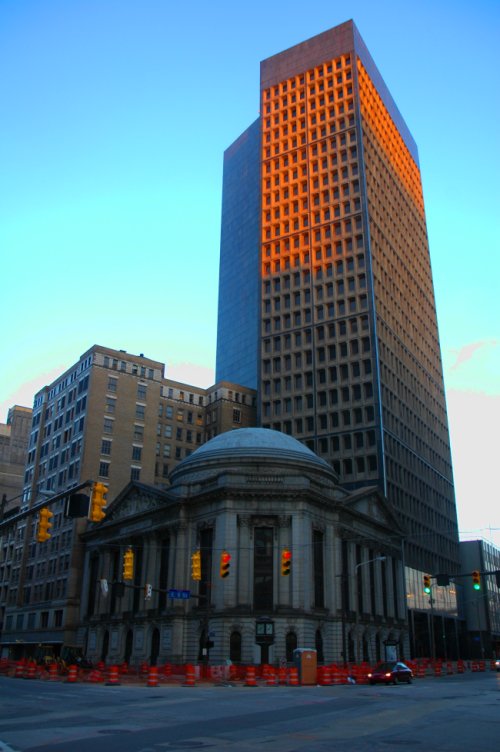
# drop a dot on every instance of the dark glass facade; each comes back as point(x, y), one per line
point(239, 289)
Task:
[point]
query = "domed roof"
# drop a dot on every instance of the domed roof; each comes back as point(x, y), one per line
point(252, 444)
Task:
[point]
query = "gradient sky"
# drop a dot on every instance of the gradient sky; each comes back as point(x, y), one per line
point(114, 115)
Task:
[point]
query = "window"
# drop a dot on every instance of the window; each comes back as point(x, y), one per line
point(236, 416)
point(263, 568)
point(112, 384)
point(110, 404)
point(141, 391)
point(108, 425)
point(140, 411)
point(136, 453)
point(106, 446)
point(138, 433)
point(318, 564)
point(135, 473)
point(104, 469)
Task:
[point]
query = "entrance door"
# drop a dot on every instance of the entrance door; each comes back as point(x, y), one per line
point(129, 640)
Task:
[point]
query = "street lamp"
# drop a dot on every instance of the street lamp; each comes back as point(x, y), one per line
point(362, 564)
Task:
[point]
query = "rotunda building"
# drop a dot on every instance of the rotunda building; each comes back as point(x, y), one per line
point(268, 552)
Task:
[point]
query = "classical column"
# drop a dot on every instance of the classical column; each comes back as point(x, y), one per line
point(243, 565)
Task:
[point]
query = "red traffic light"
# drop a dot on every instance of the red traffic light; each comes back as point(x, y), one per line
point(286, 562)
point(225, 563)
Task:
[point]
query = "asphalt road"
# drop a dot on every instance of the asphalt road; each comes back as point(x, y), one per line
point(449, 714)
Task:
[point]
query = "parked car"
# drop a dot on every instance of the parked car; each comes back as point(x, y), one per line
point(391, 672)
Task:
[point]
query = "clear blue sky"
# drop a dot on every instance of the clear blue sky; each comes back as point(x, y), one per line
point(114, 115)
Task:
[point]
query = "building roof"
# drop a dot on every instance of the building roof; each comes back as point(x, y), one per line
point(251, 444)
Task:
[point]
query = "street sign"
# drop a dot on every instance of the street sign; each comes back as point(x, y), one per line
point(179, 594)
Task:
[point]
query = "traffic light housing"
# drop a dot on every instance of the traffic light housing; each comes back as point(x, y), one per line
point(225, 564)
point(196, 566)
point(286, 562)
point(44, 523)
point(476, 580)
point(97, 502)
point(427, 583)
point(128, 564)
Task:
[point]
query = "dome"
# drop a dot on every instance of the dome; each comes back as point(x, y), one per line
point(252, 444)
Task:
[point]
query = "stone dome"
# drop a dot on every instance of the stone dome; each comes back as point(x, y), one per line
point(252, 445)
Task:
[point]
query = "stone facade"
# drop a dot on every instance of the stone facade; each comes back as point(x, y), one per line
point(253, 493)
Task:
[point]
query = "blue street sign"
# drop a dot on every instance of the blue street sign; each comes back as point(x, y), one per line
point(179, 594)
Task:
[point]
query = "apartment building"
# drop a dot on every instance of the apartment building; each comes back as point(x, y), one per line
point(112, 417)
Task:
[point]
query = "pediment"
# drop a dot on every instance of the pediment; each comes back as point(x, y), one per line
point(136, 499)
point(370, 503)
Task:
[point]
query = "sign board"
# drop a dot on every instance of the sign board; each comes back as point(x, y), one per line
point(179, 594)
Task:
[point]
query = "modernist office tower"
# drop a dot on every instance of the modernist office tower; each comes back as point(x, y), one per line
point(345, 349)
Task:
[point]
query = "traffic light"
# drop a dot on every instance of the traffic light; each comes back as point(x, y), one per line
point(196, 566)
point(44, 523)
point(427, 583)
point(128, 564)
point(286, 562)
point(225, 564)
point(97, 502)
point(476, 580)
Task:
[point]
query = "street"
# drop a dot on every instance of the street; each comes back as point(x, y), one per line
point(459, 713)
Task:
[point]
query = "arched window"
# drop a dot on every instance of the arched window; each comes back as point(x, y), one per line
point(291, 644)
point(235, 647)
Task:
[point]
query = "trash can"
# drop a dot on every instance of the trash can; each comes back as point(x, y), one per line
point(306, 662)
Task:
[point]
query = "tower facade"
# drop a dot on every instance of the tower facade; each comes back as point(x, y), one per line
point(348, 355)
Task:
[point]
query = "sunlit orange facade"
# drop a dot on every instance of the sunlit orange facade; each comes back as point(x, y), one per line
point(349, 358)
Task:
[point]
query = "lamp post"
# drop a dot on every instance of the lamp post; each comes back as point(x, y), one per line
point(362, 564)
point(344, 583)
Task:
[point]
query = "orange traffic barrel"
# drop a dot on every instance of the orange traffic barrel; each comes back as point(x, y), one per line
point(53, 672)
point(282, 675)
point(72, 674)
point(112, 676)
point(30, 671)
point(124, 668)
point(152, 677)
point(293, 677)
point(250, 677)
point(271, 677)
point(167, 669)
point(437, 669)
point(19, 672)
point(190, 676)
